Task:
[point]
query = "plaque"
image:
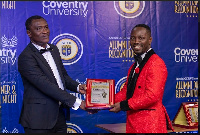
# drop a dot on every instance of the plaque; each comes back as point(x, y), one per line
point(100, 93)
point(187, 115)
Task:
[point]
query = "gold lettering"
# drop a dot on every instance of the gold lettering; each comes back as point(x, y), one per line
point(196, 93)
point(186, 7)
point(187, 85)
point(9, 98)
point(196, 84)
point(179, 85)
point(5, 89)
point(8, 4)
point(3, 4)
point(177, 94)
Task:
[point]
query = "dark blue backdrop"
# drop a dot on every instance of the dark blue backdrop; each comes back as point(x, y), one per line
point(97, 34)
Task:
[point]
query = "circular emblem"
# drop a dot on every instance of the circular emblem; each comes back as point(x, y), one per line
point(72, 128)
point(120, 84)
point(70, 48)
point(129, 9)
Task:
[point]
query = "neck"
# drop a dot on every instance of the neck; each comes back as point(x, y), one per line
point(44, 45)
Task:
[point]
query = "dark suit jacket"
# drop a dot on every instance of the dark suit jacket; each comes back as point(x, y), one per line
point(41, 92)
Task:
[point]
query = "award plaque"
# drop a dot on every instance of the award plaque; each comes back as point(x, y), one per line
point(187, 115)
point(100, 93)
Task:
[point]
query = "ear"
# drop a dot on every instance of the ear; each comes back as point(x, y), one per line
point(150, 40)
point(28, 33)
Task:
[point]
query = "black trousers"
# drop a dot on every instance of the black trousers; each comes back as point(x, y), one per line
point(60, 126)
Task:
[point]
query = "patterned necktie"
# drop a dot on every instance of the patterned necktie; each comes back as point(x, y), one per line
point(45, 50)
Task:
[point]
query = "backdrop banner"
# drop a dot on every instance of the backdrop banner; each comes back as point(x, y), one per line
point(93, 39)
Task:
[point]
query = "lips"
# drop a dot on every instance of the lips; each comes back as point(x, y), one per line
point(137, 47)
point(45, 37)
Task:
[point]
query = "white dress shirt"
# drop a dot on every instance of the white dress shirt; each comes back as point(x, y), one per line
point(143, 55)
point(47, 55)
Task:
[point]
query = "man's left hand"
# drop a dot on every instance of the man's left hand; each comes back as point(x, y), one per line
point(82, 89)
point(116, 108)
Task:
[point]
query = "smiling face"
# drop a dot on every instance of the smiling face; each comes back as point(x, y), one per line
point(39, 32)
point(140, 40)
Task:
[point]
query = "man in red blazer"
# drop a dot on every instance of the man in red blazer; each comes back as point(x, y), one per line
point(142, 94)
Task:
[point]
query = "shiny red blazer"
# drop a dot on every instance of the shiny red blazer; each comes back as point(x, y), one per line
point(146, 113)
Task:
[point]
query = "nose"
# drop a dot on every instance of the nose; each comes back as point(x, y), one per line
point(136, 41)
point(45, 30)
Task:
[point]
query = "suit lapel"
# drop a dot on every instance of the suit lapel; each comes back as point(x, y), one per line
point(55, 55)
point(40, 56)
point(132, 80)
point(146, 58)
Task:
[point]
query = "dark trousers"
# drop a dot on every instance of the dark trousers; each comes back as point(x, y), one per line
point(60, 126)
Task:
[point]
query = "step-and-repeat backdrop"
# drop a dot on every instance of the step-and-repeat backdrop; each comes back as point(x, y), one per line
point(97, 35)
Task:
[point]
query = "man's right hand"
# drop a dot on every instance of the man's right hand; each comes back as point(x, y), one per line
point(90, 111)
point(82, 106)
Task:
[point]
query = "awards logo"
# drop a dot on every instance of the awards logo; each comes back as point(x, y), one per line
point(129, 9)
point(187, 87)
point(72, 128)
point(190, 8)
point(120, 84)
point(70, 48)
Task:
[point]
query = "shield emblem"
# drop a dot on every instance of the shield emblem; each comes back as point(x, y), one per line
point(129, 5)
point(66, 50)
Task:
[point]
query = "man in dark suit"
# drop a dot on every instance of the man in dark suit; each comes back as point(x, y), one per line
point(46, 102)
point(141, 95)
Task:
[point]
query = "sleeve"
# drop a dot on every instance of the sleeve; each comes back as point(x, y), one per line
point(154, 86)
point(35, 78)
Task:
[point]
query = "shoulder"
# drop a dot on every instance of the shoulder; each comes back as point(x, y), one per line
point(156, 59)
point(52, 45)
point(157, 63)
point(27, 51)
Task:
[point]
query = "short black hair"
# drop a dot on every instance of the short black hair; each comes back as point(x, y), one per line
point(30, 19)
point(144, 26)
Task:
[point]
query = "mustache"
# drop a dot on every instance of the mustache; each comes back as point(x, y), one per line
point(136, 44)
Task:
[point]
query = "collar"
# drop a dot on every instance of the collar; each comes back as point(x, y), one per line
point(143, 55)
point(39, 47)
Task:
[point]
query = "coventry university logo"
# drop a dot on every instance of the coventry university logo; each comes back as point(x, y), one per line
point(9, 43)
point(70, 47)
point(129, 9)
point(8, 50)
point(15, 130)
point(120, 84)
point(72, 128)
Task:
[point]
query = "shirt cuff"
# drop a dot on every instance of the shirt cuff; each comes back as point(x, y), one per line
point(78, 88)
point(77, 104)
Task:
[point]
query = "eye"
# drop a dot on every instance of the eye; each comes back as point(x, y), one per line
point(141, 38)
point(132, 38)
point(38, 28)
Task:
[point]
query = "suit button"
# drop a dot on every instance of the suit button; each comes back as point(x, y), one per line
point(139, 86)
